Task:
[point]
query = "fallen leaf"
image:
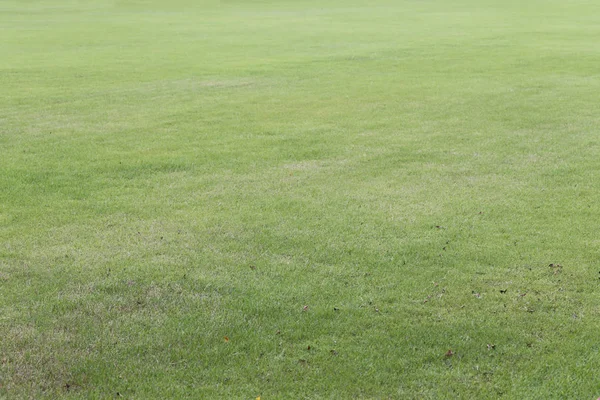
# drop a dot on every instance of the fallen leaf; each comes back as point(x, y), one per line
point(305, 308)
point(226, 338)
point(449, 353)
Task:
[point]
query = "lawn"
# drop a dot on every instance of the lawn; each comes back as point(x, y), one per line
point(299, 199)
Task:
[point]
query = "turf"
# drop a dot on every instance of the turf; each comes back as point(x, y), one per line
point(299, 199)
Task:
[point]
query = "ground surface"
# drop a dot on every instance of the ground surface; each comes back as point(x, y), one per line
point(302, 199)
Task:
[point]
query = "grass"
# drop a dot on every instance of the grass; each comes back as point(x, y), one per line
point(299, 199)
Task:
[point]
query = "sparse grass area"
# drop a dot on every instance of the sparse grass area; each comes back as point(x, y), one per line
point(299, 199)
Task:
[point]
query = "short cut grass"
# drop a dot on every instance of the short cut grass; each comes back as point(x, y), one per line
point(299, 199)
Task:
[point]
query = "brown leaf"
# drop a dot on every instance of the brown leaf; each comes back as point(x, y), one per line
point(226, 339)
point(449, 353)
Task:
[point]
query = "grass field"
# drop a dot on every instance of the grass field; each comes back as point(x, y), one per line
point(300, 199)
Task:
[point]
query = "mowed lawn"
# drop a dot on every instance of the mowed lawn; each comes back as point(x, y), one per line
point(300, 199)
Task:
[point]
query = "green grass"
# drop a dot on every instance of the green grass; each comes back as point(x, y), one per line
point(176, 172)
